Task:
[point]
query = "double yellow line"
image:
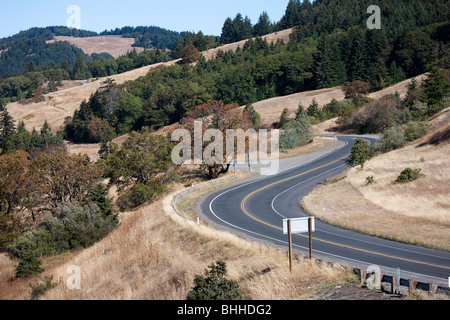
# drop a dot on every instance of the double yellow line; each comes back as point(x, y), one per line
point(321, 240)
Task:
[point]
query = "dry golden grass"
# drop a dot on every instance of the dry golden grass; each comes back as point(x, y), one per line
point(114, 45)
point(416, 212)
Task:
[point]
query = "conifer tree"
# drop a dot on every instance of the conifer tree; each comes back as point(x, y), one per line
point(7, 128)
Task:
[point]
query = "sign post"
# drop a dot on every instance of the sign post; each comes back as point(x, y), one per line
point(299, 225)
point(310, 237)
point(290, 244)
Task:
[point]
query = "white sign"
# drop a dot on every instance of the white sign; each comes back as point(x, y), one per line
point(299, 225)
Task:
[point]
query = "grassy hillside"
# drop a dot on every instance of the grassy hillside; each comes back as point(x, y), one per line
point(417, 212)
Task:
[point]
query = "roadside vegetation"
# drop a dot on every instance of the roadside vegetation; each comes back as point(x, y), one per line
point(113, 218)
point(404, 179)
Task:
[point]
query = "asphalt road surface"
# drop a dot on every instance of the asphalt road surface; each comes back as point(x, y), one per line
point(256, 208)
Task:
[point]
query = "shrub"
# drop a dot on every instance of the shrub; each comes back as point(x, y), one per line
point(214, 286)
point(415, 129)
point(408, 175)
point(32, 244)
point(392, 139)
point(370, 180)
point(397, 136)
point(360, 154)
point(75, 225)
point(296, 132)
point(71, 226)
point(39, 289)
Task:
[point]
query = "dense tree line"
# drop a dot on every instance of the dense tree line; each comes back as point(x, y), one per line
point(25, 85)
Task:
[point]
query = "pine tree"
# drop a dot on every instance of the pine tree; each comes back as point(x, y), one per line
point(358, 57)
point(313, 109)
point(7, 129)
point(324, 64)
point(227, 32)
point(263, 26)
point(284, 118)
point(292, 16)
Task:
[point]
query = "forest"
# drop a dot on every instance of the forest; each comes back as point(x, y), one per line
point(260, 70)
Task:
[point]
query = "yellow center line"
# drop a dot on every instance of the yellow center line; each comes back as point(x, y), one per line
point(321, 240)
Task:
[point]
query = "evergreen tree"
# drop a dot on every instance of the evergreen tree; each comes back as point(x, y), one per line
point(227, 32)
point(436, 86)
point(263, 26)
point(284, 118)
point(313, 109)
point(7, 129)
point(358, 58)
point(324, 65)
point(360, 154)
point(292, 15)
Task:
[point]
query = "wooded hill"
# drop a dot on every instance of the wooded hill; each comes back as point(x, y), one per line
point(327, 48)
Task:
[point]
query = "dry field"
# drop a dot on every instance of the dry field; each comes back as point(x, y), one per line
point(114, 45)
point(417, 212)
point(271, 109)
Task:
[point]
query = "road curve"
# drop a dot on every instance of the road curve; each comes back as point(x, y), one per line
point(255, 209)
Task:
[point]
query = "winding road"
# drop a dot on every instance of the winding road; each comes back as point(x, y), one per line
point(256, 208)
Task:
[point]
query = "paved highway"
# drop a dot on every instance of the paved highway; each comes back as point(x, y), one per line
point(256, 208)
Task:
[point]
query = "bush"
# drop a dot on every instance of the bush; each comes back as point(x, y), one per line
point(28, 267)
point(139, 194)
point(75, 225)
point(71, 226)
point(408, 175)
point(32, 244)
point(214, 286)
point(414, 130)
point(392, 139)
point(370, 180)
point(39, 289)
point(397, 136)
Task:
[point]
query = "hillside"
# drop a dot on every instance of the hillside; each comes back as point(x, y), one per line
point(61, 104)
point(417, 212)
point(115, 45)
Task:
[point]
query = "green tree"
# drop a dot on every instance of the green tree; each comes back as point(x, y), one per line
point(324, 64)
point(284, 118)
point(143, 159)
point(292, 15)
point(313, 109)
point(227, 32)
point(436, 86)
point(190, 54)
point(7, 129)
point(254, 116)
point(360, 154)
point(263, 26)
point(214, 285)
point(296, 132)
point(358, 57)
